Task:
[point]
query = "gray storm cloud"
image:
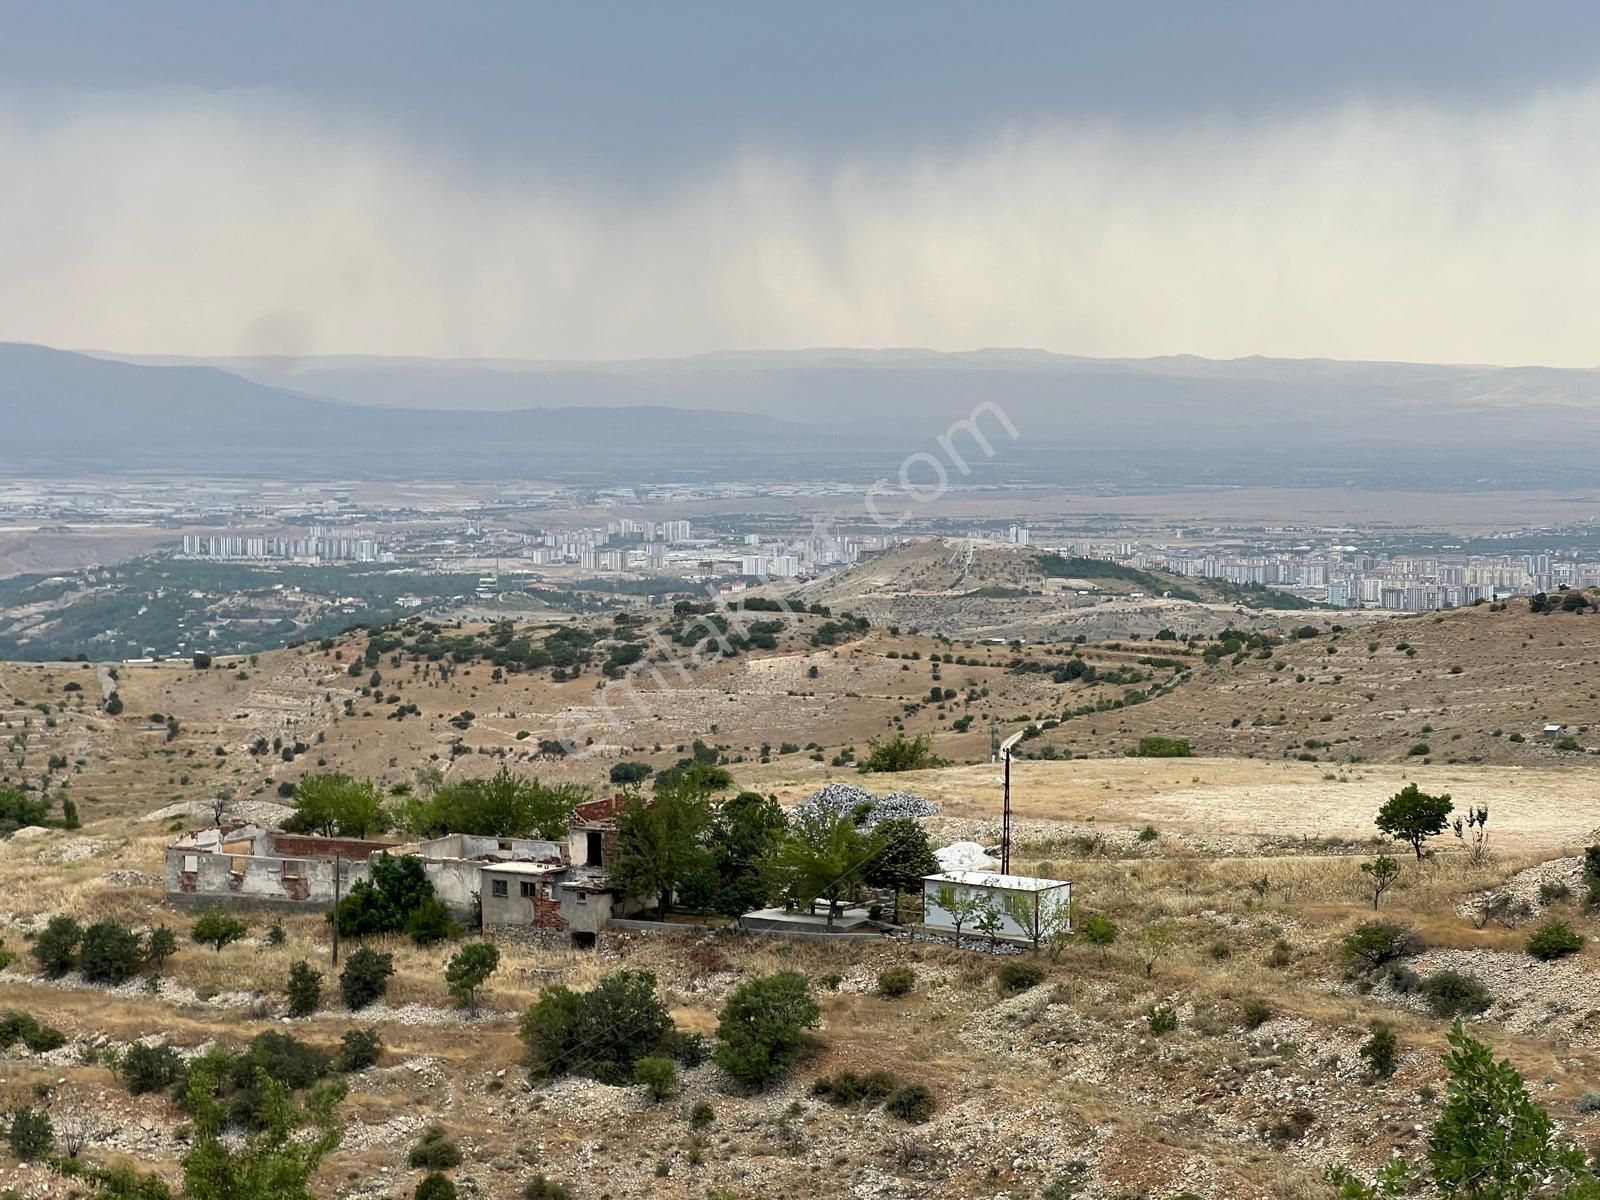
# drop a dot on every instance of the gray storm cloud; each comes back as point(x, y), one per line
point(246, 224)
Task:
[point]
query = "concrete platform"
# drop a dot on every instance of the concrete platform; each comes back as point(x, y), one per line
point(778, 920)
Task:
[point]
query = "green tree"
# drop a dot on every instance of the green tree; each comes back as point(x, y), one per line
point(469, 969)
point(398, 889)
point(1491, 1141)
point(18, 808)
point(697, 774)
point(110, 952)
point(659, 843)
point(900, 753)
point(743, 832)
point(1383, 870)
point(31, 1135)
point(1042, 922)
point(963, 906)
point(503, 805)
point(216, 929)
point(761, 1030)
point(1413, 816)
point(600, 1033)
point(56, 947)
point(274, 1162)
point(337, 805)
point(625, 773)
point(161, 945)
point(69, 814)
point(305, 989)
point(904, 857)
point(822, 856)
point(365, 977)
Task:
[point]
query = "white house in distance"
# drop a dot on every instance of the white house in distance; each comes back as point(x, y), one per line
point(1044, 904)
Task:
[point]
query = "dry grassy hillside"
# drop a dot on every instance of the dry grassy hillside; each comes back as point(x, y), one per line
point(1231, 881)
point(1472, 685)
point(1064, 1084)
point(971, 589)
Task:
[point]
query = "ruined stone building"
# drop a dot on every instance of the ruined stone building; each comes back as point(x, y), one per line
point(556, 887)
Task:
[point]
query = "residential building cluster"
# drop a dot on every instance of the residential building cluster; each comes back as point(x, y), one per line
point(1346, 577)
point(316, 546)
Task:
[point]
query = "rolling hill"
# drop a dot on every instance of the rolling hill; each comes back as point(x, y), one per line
point(975, 589)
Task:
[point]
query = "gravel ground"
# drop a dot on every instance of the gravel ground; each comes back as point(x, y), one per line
point(843, 798)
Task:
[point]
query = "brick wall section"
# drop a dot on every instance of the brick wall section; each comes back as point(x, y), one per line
point(595, 812)
point(547, 913)
point(291, 845)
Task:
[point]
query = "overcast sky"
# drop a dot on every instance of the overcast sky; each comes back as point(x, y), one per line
point(1395, 180)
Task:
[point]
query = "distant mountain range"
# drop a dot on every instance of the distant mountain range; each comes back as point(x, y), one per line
point(827, 413)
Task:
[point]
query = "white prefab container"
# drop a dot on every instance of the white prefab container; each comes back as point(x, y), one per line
point(1027, 907)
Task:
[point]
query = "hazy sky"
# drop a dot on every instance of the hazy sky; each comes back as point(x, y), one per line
point(1395, 180)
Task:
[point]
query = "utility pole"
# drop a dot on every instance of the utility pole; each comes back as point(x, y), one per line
point(1005, 812)
point(1005, 824)
point(994, 737)
point(338, 869)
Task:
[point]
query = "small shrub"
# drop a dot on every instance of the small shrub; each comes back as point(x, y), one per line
point(658, 1075)
point(1255, 1013)
point(365, 977)
point(911, 1102)
point(149, 1068)
point(434, 1151)
point(849, 1090)
point(896, 982)
point(1554, 892)
point(23, 1027)
point(1375, 943)
point(31, 1135)
point(1281, 955)
point(1017, 977)
point(761, 1030)
point(109, 953)
point(1453, 994)
point(1589, 1102)
point(275, 934)
point(1149, 833)
point(56, 948)
point(1165, 747)
point(1288, 1128)
point(701, 1115)
point(358, 1050)
point(431, 923)
point(1553, 940)
point(305, 989)
point(1069, 1184)
point(1381, 1051)
point(1161, 1019)
point(540, 1188)
point(435, 1186)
